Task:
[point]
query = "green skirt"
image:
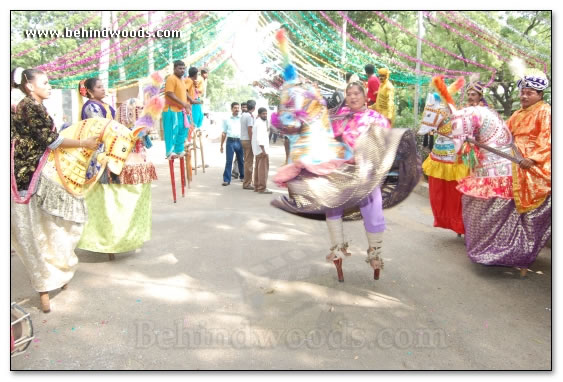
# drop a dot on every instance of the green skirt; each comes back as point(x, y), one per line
point(119, 218)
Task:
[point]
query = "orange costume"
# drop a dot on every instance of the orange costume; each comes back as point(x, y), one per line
point(531, 128)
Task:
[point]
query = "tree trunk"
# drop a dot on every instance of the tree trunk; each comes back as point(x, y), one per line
point(507, 108)
point(462, 53)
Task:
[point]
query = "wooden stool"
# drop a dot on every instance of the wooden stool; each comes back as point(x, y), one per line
point(188, 150)
point(199, 134)
point(195, 147)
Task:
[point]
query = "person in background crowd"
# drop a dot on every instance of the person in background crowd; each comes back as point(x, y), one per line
point(246, 124)
point(231, 132)
point(372, 84)
point(385, 104)
point(243, 109)
point(260, 148)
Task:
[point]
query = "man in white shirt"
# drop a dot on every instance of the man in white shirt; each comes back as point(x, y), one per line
point(231, 133)
point(246, 124)
point(260, 147)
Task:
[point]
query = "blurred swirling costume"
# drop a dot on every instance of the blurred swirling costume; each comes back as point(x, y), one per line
point(375, 152)
point(336, 177)
point(120, 217)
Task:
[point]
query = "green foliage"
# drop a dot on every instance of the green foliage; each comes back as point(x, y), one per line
point(223, 88)
point(502, 94)
point(41, 20)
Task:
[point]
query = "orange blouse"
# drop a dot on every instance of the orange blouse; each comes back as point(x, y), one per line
point(531, 129)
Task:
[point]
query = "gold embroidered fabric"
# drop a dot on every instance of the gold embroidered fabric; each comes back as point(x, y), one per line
point(54, 200)
point(531, 128)
point(44, 243)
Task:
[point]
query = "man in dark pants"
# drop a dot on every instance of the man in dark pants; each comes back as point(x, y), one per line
point(235, 163)
point(231, 132)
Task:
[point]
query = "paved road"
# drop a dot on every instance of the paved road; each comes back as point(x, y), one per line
point(228, 282)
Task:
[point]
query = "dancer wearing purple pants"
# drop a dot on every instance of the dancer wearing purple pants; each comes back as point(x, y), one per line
point(349, 128)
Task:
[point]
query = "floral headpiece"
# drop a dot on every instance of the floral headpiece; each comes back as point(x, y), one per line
point(82, 89)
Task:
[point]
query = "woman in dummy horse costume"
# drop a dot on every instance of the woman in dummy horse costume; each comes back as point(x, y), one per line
point(120, 218)
point(497, 230)
point(341, 179)
point(48, 179)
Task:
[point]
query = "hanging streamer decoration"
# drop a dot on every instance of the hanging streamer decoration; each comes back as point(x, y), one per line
point(134, 59)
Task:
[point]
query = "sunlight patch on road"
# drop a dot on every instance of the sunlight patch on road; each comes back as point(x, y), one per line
point(224, 227)
point(273, 236)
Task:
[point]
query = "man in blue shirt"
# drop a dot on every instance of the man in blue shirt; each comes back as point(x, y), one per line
point(231, 132)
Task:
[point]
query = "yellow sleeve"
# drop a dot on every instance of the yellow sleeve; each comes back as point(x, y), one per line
point(542, 150)
point(189, 84)
point(170, 84)
point(392, 104)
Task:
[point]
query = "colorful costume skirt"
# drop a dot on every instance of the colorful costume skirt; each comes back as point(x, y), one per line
point(120, 216)
point(385, 158)
point(445, 199)
point(496, 234)
point(44, 233)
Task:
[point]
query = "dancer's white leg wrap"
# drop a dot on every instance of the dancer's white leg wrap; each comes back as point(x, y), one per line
point(375, 240)
point(335, 231)
point(375, 251)
point(336, 235)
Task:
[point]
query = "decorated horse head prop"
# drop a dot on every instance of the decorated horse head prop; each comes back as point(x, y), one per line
point(478, 123)
point(303, 117)
point(437, 112)
point(67, 166)
point(129, 111)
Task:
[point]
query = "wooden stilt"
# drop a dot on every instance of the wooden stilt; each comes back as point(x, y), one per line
point(45, 303)
point(201, 152)
point(172, 180)
point(338, 265)
point(182, 175)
